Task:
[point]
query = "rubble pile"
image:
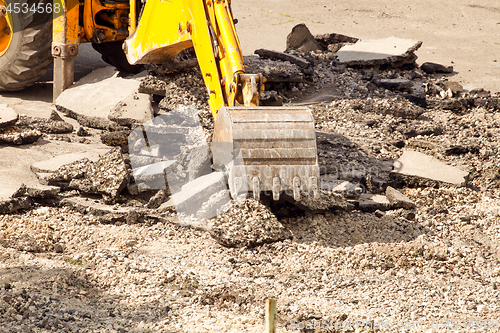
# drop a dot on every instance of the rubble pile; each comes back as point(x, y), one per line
point(248, 223)
point(406, 226)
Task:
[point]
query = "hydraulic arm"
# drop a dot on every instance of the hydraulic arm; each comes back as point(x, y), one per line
point(168, 27)
point(264, 149)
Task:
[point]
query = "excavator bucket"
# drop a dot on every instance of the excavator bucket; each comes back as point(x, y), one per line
point(267, 149)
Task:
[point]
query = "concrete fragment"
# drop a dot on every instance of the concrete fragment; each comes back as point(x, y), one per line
point(372, 202)
point(394, 84)
point(274, 55)
point(91, 109)
point(41, 191)
point(385, 51)
point(68, 172)
point(109, 175)
point(8, 116)
point(455, 87)
point(325, 40)
point(104, 213)
point(480, 93)
point(431, 68)
point(398, 199)
point(45, 125)
point(327, 201)
point(11, 205)
point(415, 128)
point(117, 138)
point(195, 193)
point(417, 168)
point(461, 149)
point(417, 95)
point(300, 38)
point(51, 165)
point(156, 200)
point(275, 71)
point(19, 135)
point(55, 116)
point(82, 131)
point(133, 110)
point(270, 98)
point(455, 105)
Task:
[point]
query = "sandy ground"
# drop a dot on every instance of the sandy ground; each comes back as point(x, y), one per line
point(465, 34)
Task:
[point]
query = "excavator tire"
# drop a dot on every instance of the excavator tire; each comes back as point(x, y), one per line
point(25, 52)
point(113, 54)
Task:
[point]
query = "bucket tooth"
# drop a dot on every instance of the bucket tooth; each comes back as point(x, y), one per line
point(296, 188)
point(313, 186)
point(276, 188)
point(256, 188)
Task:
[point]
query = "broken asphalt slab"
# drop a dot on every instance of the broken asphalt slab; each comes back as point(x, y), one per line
point(8, 116)
point(105, 213)
point(18, 181)
point(417, 168)
point(133, 110)
point(95, 96)
point(371, 202)
point(398, 199)
point(378, 52)
point(199, 192)
point(51, 165)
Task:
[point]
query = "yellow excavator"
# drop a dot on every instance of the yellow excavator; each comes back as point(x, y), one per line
point(271, 149)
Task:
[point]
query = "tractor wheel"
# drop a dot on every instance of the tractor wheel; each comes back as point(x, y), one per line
point(25, 47)
point(113, 54)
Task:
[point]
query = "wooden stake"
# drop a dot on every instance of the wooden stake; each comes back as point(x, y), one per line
point(270, 316)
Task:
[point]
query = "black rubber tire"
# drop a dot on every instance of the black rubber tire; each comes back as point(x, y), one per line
point(113, 54)
point(29, 53)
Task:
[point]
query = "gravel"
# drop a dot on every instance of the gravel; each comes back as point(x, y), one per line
point(64, 270)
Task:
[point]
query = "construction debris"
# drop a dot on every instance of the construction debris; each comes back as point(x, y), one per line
point(417, 168)
point(301, 39)
point(431, 68)
point(360, 234)
point(92, 110)
point(133, 110)
point(398, 199)
point(247, 224)
point(388, 51)
point(274, 55)
point(8, 117)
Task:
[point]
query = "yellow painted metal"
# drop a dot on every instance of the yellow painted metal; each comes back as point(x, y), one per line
point(231, 59)
point(65, 41)
point(65, 28)
point(278, 154)
point(168, 27)
point(6, 28)
point(132, 17)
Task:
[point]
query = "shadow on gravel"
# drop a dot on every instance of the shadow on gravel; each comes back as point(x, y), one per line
point(342, 160)
point(64, 299)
